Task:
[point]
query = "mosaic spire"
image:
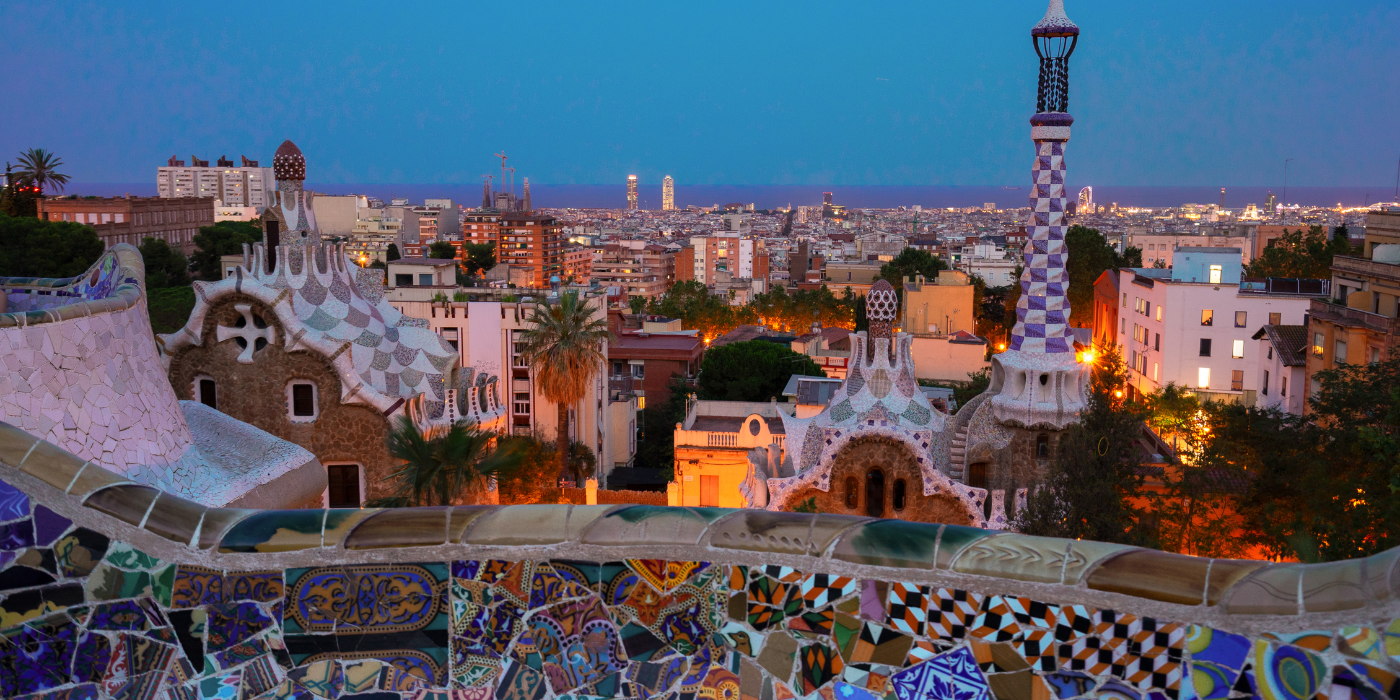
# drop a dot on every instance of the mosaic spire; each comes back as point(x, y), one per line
point(1042, 313)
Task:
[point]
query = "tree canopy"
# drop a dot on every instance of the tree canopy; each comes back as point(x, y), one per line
point(714, 316)
point(219, 239)
point(165, 266)
point(1306, 255)
point(478, 258)
point(910, 261)
point(754, 370)
point(441, 250)
point(1089, 255)
point(1094, 469)
point(31, 247)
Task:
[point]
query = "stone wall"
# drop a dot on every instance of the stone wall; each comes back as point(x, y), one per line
point(257, 394)
point(894, 460)
point(114, 590)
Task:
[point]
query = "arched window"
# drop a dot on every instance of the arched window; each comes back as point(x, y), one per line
point(898, 495)
point(1042, 445)
point(875, 493)
point(852, 492)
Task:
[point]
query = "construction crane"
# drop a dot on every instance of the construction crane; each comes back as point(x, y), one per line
point(502, 156)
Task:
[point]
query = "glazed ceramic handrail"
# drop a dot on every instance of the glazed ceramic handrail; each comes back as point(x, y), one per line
point(1185, 587)
point(128, 275)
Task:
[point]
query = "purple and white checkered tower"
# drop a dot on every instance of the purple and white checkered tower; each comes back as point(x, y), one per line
point(1038, 381)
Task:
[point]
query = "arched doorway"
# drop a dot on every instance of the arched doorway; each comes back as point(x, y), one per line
point(875, 493)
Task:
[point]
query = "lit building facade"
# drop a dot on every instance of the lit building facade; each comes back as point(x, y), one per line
point(631, 191)
point(668, 194)
point(234, 186)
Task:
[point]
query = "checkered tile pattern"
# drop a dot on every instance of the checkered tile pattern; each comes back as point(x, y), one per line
point(821, 590)
point(952, 612)
point(1042, 314)
point(906, 607)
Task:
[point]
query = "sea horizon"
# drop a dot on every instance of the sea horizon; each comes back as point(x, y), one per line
point(780, 196)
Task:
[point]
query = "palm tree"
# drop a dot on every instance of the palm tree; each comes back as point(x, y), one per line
point(37, 169)
point(565, 347)
point(440, 464)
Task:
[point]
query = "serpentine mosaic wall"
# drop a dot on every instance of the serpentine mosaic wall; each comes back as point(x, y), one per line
point(115, 590)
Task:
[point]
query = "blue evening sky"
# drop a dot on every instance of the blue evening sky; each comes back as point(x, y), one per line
point(1187, 92)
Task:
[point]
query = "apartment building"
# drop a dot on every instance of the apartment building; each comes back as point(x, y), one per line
point(487, 335)
point(246, 185)
point(1193, 325)
point(1160, 247)
point(336, 215)
point(1358, 323)
point(578, 265)
point(1283, 366)
point(640, 272)
point(716, 257)
point(174, 220)
point(438, 220)
point(532, 246)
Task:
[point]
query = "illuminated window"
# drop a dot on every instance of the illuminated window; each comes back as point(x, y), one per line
point(1215, 271)
point(1317, 344)
point(1237, 380)
point(1237, 349)
point(1240, 318)
point(1203, 377)
point(1159, 312)
point(1207, 317)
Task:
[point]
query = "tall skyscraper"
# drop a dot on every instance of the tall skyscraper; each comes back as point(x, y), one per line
point(826, 198)
point(526, 205)
point(1271, 203)
point(1086, 200)
point(631, 191)
point(1040, 382)
point(668, 193)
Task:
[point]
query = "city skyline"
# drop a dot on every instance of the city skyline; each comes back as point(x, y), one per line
point(1223, 92)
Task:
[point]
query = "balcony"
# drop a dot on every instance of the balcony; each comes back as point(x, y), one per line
point(1340, 314)
point(1286, 285)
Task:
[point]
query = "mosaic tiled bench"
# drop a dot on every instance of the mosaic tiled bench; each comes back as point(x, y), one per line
point(116, 590)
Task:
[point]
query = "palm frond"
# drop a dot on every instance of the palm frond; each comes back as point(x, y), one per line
point(565, 347)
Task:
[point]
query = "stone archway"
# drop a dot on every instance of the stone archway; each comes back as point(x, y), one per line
point(880, 477)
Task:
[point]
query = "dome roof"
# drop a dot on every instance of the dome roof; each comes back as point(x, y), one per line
point(1055, 23)
point(288, 163)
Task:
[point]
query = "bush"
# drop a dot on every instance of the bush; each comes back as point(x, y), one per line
point(32, 247)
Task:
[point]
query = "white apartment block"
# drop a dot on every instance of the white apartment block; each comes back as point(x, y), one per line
point(246, 186)
point(487, 337)
point(1195, 324)
point(1159, 247)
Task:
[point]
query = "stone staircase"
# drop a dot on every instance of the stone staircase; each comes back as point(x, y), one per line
point(957, 465)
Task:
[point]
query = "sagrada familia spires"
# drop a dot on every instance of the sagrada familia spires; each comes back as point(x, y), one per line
point(1038, 381)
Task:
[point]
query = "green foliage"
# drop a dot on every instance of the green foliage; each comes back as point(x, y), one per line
point(795, 313)
point(478, 258)
point(392, 253)
point(1324, 487)
point(165, 266)
point(564, 344)
point(1298, 254)
point(909, 262)
point(32, 247)
point(637, 304)
point(1089, 256)
point(755, 370)
point(807, 506)
point(534, 478)
point(582, 461)
point(39, 168)
point(440, 467)
point(1094, 470)
point(460, 297)
point(441, 250)
point(221, 238)
point(169, 308)
point(657, 429)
